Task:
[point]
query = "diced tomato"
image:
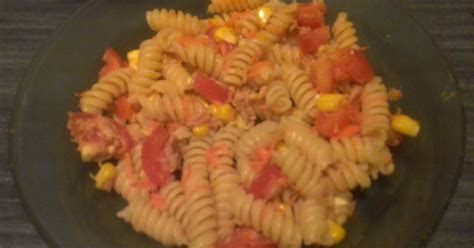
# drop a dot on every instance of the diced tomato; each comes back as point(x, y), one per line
point(187, 40)
point(310, 41)
point(152, 157)
point(102, 137)
point(112, 62)
point(246, 238)
point(311, 15)
point(348, 131)
point(210, 90)
point(260, 159)
point(123, 109)
point(269, 183)
point(225, 48)
point(352, 65)
point(333, 124)
point(321, 74)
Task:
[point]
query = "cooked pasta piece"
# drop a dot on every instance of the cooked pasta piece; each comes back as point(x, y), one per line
point(343, 32)
point(317, 150)
point(279, 23)
point(238, 63)
point(223, 6)
point(175, 201)
point(284, 54)
point(312, 217)
point(375, 112)
point(277, 98)
point(103, 93)
point(341, 207)
point(126, 181)
point(280, 226)
point(202, 57)
point(301, 90)
point(159, 19)
point(178, 80)
point(349, 175)
point(148, 68)
point(301, 173)
point(152, 221)
point(261, 134)
point(188, 110)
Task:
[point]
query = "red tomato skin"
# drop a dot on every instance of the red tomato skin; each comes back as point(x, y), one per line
point(225, 48)
point(207, 88)
point(123, 109)
point(269, 183)
point(246, 238)
point(321, 74)
point(152, 157)
point(309, 42)
point(112, 61)
point(352, 66)
point(311, 15)
point(332, 124)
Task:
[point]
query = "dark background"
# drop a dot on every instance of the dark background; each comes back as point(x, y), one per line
point(26, 25)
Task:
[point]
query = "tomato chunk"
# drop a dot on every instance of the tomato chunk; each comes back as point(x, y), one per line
point(123, 109)
point(321, 74)
point(246, 238)
point(152, 157)
point(225, 48)
point(311, 15)
point(269, 183)
point(352, 65)
point(337, 123)
point(310, 41)
point(112, 62)
point(210, 90)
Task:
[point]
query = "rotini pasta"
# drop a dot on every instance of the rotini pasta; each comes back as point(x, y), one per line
point(249, 127)
point(159, 19)
point(300, 88)
point(103, 93)
point(223, 6)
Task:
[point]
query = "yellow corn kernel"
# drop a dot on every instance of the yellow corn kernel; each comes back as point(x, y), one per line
point(213, 109)
point(281, 146)
point(87, 153)
point(405, 125)
point(225, 113)
point(132, 58)
point(240, 123)
point(336, 232)
point(329, 102)
point(105, 178)
point(264, 13)
point(200, 131)
point(225, 34)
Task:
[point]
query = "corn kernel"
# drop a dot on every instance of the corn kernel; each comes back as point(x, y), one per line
point(329, 102)
point(264, 13)
point(225, 34)
point(225, 113)
point(281, 147)
point(213, 109)
point(87, 153)
point(104, 179)
point(405, 125)
point(132, 58)
point(336, 232)
point(240, 123)
point(200, 131)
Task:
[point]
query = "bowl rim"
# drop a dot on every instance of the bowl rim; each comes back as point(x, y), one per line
point(16, 114)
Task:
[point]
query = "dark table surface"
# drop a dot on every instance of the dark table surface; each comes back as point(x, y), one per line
point(26, 24)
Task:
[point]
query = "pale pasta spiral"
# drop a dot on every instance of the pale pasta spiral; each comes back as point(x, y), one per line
point(204, 58)
point(349, 175)
point(284, 54)
point(148, 68)
point(279, 226)
point(178, 80)
point(105, 91)
point(175, 201)
point(277, 98)
point(222, 6)
point(300, 88)
point(279, 23)
point(375, 112)
point(153, 222)
point(312, 216)
point(159, 19)
point(344, 34)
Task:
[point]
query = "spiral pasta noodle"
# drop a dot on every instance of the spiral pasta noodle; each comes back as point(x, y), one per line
point(178, 80)
point(284, 54)
point(343, 32)
point(318, 151)
point(375, 112)
point(175, 201)
point(159, 19)
point(188, 110)
point(300, 88)
point(311, 215)
point(279, 226)
point(127, 178)
point(301, 173)
point(223, 6)
point(148, 68)
point(277, 98)
point(239, 62)
point(103, 93)
point(279, 23)
point(153, 222)
point(205, 58)
point(349, 175)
